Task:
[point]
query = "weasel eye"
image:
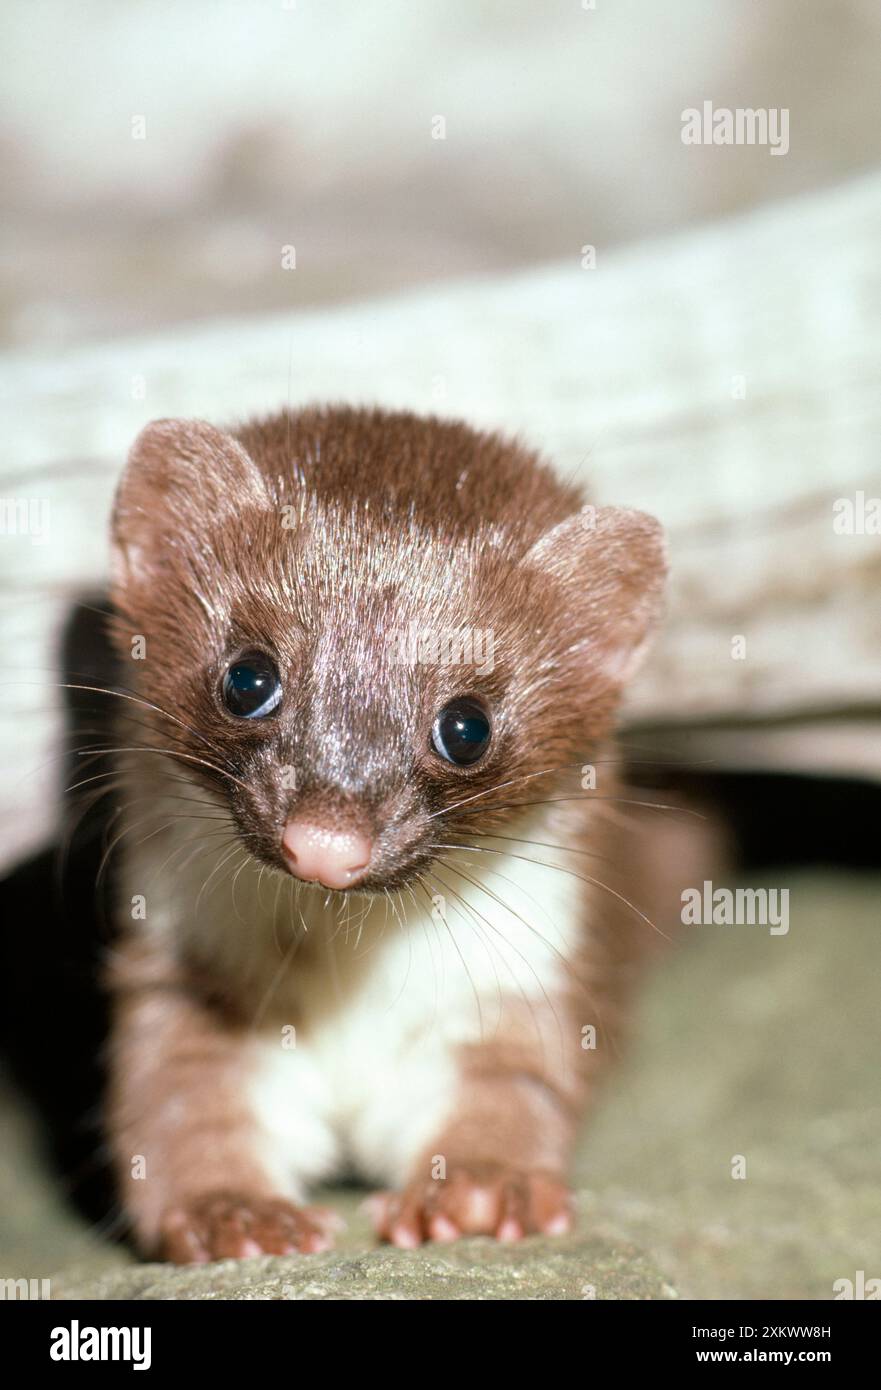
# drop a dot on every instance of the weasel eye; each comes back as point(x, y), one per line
point(461, 731)
point(251, 687)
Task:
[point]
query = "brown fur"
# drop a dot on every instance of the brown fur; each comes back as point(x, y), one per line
point(316, 536)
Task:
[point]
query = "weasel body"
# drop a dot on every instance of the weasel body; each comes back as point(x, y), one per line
point(374, 904)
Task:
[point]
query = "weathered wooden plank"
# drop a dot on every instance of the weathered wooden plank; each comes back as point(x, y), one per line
point(726, 379)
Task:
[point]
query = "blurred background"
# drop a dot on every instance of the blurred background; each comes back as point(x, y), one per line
point(486, 209)
point(270, 122)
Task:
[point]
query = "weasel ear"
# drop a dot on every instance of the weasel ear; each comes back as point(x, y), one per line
point(609, 564)
point(180, 475)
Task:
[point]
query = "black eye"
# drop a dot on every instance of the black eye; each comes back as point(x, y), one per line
point(461, 732)
point(251, 687)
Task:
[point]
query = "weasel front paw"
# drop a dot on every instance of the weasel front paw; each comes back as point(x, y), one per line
point(480, 1200)
point(225, 1225)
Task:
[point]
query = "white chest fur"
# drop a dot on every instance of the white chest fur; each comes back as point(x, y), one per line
point(361, 1015)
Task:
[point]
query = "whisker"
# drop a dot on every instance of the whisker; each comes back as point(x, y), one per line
point(235, 880)
point(478, 918)
point(217, 867)
point(135, 699)
point(288, 956)
point(500, 786)
point(509, 944)
point(458, 951)
point(391, 904)
point(204, 844)
point(127, 830)
point(423, 918)
point(580, 980)
point(120, 694)
point(541, 844)
point(591, 796)
point(171, 753)
point(585, 878)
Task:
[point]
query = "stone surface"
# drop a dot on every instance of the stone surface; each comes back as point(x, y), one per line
point(576, 1268)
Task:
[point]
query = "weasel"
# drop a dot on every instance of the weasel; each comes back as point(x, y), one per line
point(374, 915)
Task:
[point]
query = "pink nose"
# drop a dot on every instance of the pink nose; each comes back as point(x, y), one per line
point(336, 858)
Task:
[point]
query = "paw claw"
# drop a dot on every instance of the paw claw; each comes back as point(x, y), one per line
point(224, 1225)
point(559, 1225)
point(509, 1231)
point(443, 1230)
point(488, 1200)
